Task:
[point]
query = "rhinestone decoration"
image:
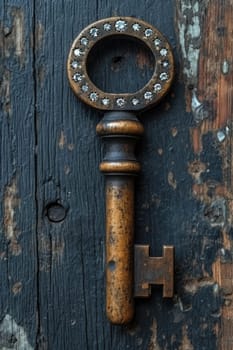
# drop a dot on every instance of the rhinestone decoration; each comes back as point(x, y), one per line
point(78, 52)
point(107, 27)
point(75, 64)
point(85, 88)
point(163, 76)
point(148, 32)
point(157, 42)
point(157, 87)
point(163, 52)
point(94, 32)
point(148, 95)
point(120, 102)
point(105, 101)
point(121, 26)
point(136, 27)
point(93, 96)
point(84, 41)
point(135, 101)
point(165, 64)
point(77, 77)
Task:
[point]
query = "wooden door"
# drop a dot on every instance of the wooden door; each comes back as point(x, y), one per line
point(52, 194)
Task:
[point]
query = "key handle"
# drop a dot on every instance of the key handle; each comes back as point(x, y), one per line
point(150, 94)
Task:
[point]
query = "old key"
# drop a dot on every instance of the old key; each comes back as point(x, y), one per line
point(130, 271)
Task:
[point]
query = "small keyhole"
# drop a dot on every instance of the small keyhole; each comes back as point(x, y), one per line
point(120, 65)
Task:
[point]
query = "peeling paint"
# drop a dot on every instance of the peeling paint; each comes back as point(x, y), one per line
point(12, 39)
point(5, 93)
point(17, 288)
point(62, 142)
point(225, 67)
point(186, 343)
point(70, 146)
point(18, 32)
point(189, 32)
point(174, 132)
point(194, 285)
point(221, 136)
point(195, 169)
point(67, 169)
point(153, 341)
point(160, 151)
point(171, 180)
point(11, 202)
point(215, 213)
point(201, 110)
point(13, 336)
point(12, 43)
point(39, 35)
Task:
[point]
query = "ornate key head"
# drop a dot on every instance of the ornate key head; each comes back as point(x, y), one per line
point(108, 28)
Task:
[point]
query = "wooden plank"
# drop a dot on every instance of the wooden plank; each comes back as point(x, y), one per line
point(183, 194)
point(207, 47)
point(72, 295)
point(18, 254)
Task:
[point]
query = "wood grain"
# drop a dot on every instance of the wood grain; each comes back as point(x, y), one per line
point(210, 100)
point(18, 248)
point(52, 271)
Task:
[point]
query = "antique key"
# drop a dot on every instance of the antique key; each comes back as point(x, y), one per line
point(130, 271)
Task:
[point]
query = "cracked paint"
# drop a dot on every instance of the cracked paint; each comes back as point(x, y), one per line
point(189, 31)
point(13, 336)
point(11, 202)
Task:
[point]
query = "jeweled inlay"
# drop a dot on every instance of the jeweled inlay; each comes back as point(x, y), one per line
point(85, 88)
point(75, 64)
point(120, 102)
point(78, 77)
point(93, 96)
point(163, 52)
point(148, 95)
point(136, 27)
point(121, 25)
point(105, 101)
point(107, 27)
point(165, 64)
point(78, 52)
point(135, 101)
point(84, 41)
point(94, 32)
point(157, 42)
point(157, 87)
point(148, 32)
point(163, 76)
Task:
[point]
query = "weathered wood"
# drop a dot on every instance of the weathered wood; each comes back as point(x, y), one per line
point(205, 36)
point(72, 310)
point(18, 253)
point(52, 194)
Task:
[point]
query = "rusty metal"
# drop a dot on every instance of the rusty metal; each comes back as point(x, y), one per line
point(120, 167)
point(153, 270)
point(130, 271)
point(119, 248)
